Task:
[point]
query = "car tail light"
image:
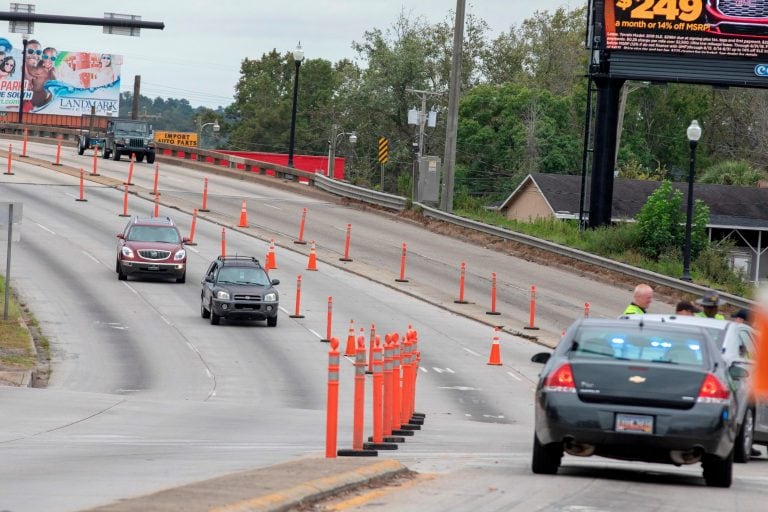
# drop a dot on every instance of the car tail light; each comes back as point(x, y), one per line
point(561, 380)
point(713, 391)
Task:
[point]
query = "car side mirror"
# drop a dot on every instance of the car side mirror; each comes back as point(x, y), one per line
point(275, 282)
point(120, 236)
point(541, 357)
point(737, 372)
point(208, 279)
point(185, 240)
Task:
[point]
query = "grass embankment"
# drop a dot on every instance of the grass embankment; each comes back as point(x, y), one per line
point(16, 351)
point(620, 243)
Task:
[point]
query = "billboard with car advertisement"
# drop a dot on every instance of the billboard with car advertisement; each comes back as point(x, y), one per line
point(58, 82)
point(715, 28)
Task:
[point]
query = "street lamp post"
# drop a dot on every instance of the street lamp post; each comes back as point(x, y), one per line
point(694, 134)
point(298, 56)
point(215, 128)
point(333, 142)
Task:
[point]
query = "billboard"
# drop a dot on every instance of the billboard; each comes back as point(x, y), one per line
point(715, 28)
point(59, 82)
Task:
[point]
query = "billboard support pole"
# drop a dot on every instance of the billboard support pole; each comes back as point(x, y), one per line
point(607, 117)
point(23, 77)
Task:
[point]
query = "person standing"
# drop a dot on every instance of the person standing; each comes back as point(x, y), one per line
point(710, 302)
point(685, 308)
point(641, 300)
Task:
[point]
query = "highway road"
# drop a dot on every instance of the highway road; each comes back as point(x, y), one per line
point(145, 394)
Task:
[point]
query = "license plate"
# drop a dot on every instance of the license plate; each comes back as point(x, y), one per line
point(153, 267)
point(635, 423)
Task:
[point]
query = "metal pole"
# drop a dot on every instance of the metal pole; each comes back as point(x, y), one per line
point(23, 78)
point(689, 214)
point(332, 150)
point(27, 17)
point(452, 121)
point(422, 122)
point(136, 97)
point(293, 113)
point(8, 263)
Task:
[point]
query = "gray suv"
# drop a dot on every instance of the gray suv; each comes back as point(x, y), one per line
point(238, 287)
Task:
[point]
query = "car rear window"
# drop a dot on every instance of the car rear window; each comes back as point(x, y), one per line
point(640, 344)
point(153, 234)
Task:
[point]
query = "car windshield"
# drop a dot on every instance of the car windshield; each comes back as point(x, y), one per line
point(647, 344)
point(153, 234)
point(131, 128)
point(243, 275)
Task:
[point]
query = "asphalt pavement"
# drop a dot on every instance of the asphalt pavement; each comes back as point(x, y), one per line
point(281, 487)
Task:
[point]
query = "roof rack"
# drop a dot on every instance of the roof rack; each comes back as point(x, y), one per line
point(225, 259)
point(149, 220)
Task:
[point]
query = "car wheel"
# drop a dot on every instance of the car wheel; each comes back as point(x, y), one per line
point(204, 312)
point(718, 472)
point(215, 319)
point(271, 321)
point(182, 279)
point(151, 157)
point(115, 155)
point(80, 149)
point(121, 276)
point(546, 457)
point(105, 154)
point(742, 451)
point(140, 157)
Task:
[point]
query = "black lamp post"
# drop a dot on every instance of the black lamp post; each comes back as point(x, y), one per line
point(298, 56)
point(24, 43)
point(694, 134)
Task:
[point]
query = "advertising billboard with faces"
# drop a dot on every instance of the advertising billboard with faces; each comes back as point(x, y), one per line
point(58, 82)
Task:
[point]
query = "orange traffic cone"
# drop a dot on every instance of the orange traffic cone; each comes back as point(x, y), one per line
point(495, 357)
point(243, 217)
point(312, 265)
point(361, 341)
point(351, 349)
point(271, 262)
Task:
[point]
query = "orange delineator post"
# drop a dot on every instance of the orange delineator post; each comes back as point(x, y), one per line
point(271, 259)
point(329, 320)
point(244, 222)
point(358, 422)
point(402, 278)
point(95, 171)
point(417, 418)
point(378, 390)
point(58, 151)
point(495, 357)
point(24, 145)
point(125, 203)
point(349, 351)
point(301, 228)
point(157, 178)
point(405, 364)
point(192, 228)
point(396, 384)
point(388, 391)
point(82, 187)
point(346, 244)
point(157, 206)
point(493, 296)
point(532, 316)
point(204, 207)
point(586, 310)
point(370, 348)
point(130, 172)
point(312, 263)
point(223, 243)
point(10, 158)
point(462, 274)
point(760, 372)
point(332, 409)
point(298, 314)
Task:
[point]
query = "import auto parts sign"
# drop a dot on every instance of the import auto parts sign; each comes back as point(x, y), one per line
point(58, 82)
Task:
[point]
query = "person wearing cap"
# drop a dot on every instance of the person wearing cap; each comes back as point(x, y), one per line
point(741, 317)
point(641, 299)
point(710, 302)
point(686, 308)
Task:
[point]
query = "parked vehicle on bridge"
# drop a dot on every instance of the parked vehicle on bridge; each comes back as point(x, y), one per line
point(737, 344)
point(151, 247)
point(92, 133)
point(238, 287)
point(637, 390)
point(129, 137)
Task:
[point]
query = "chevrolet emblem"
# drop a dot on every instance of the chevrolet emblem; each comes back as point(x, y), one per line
point(637, 379)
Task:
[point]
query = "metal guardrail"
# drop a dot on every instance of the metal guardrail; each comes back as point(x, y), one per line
point(344, 189)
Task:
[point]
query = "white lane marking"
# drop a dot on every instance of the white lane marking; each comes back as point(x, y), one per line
point(423, 369)
point(460, 388)
point(514, 376)
point(165, 320)
point(192, 348)
point(130, 288)
point(438, 370)
point(471, 351)
point(449, 370)
point(208, 373)
point(90, 256)
point(318, 336)
point(44, 228)
point(271, 206)
point(281, 308)
point(192, 249)
point(499, 417)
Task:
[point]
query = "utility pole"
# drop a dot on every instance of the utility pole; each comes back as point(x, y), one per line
point(452, 121)
point(422, 117)
point(136, 94)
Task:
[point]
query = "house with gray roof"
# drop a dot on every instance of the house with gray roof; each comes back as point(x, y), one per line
point(740, 213)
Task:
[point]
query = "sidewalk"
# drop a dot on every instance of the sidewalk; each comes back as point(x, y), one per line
point(281, 487)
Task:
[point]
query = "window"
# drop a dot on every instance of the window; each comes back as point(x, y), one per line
point(646, 344)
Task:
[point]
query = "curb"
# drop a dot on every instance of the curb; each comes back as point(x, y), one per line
point(314, 490)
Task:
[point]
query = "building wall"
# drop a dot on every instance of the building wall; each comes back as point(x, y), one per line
point(528, 205)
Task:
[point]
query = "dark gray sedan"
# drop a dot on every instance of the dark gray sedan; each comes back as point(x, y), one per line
point(637, 390)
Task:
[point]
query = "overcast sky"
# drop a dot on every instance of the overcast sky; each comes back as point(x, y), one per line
point(197, 56)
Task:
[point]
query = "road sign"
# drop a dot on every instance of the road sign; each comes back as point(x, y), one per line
point(383, 150)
